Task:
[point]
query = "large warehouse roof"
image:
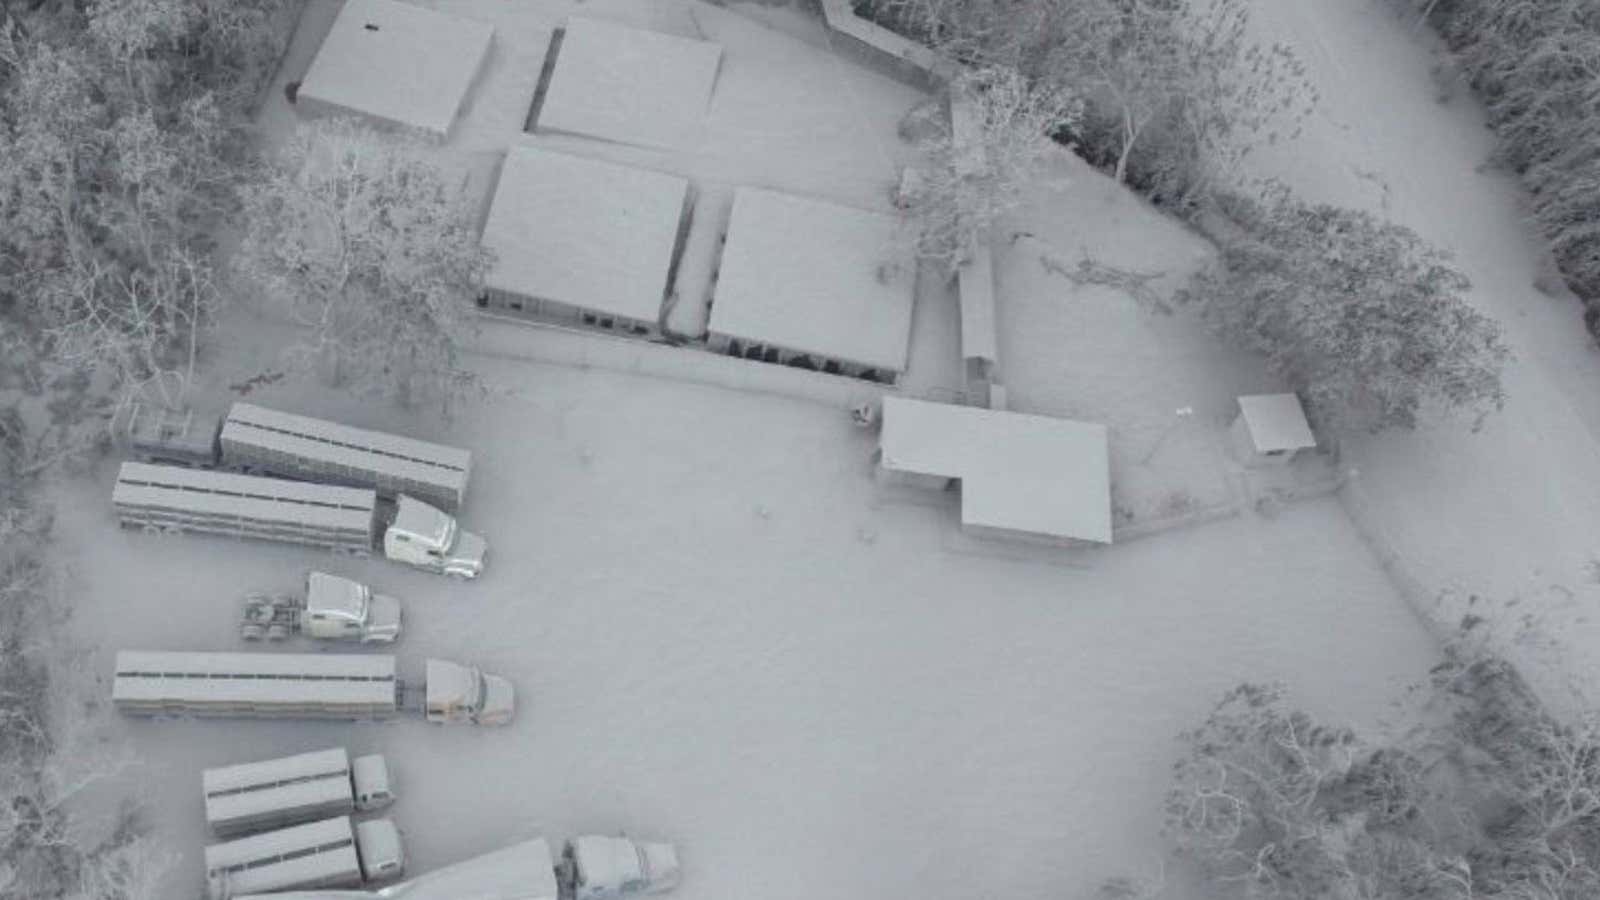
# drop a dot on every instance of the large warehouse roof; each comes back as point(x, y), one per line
point(814, 277)
point(587, 233)
point(397, 62)
point(1019, 473)
point(630, 85)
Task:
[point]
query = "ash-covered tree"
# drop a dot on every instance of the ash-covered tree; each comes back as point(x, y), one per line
point(370, 247)
point(1273, 804)
point(1365, 319)
point(1176, 94)
point(979, 161)
point(121, 127)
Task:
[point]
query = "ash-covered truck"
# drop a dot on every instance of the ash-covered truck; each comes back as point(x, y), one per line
point(304, 685)
point(333, 852)
point(273, 793)
point(593, 867)
point(331, 608)
point(258, 440)
point(354, 521)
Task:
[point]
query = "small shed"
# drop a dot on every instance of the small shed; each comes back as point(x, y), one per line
point(1270, 429)
point(398, 64)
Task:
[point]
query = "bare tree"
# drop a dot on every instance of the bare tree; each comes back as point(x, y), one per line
point(365, 244)
point(978, 162)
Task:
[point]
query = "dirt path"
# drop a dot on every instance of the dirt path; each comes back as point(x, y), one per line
point(1510, 513)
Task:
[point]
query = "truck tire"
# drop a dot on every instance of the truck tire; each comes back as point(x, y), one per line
point(252, 632)
point(279, 632)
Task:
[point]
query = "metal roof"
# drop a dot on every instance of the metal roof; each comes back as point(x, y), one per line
point(400, 457)
point(227, 494)
point(335, 836)
point(398, 62)
point(268, 678)
point(584, 232)
point(1276, 422)
point(1021, 473)
point(630, 85)
point(815, 277)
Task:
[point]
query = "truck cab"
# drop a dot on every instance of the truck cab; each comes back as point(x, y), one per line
point(378, 846)
point(369, 782)
point(342, 609)
point(427, 538)
point(603, 867)
point(457, 693)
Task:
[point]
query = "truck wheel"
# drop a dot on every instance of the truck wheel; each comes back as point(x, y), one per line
point(150, 529)
point(251, 632)
point(257, 598)
point(278, 632)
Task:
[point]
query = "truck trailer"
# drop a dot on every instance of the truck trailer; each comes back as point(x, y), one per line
point(289, 790)
point(347, 520)
point(305, 686)
point(332, 853)
point(528, 871)
point(255, 439)
point(331, 608)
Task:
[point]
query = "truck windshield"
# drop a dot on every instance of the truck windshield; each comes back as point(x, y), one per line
point(447, 536)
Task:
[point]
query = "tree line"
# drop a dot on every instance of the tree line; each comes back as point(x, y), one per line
point(1536, 68)
point(1364, 318)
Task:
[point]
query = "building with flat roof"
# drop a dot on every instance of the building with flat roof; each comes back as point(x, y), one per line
point(629, 85)
point(814, 285)
point(583, 241)
point(397, 63)
point(1270, 429)
point(1021, 476)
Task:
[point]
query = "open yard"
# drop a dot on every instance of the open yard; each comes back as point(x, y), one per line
point(720, 637)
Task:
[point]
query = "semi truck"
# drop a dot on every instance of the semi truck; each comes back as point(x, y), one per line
point(255, 439)
point(334, 852)
point(347, 520)
point(331, 608)
point(289, 790)
point(304, 685)
point(609, 868)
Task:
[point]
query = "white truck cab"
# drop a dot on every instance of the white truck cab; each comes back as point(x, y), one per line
point(457, 693)
point(369, 782)
point(382, 856)
point(603, 867)
point(427, 538)
point(339, 608)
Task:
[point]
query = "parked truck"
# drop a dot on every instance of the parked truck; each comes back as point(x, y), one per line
point(289, 790)
point(331, 608)
point(255, 439)
point(347, 520)
point(304, 685)
point(331, 853)
point(590, 868)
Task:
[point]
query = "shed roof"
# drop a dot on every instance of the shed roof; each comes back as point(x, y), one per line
point(630, 85)
point(584, 232)
point(1276, 422)
point(814, 277)
point(1022, 473)
point(398, 62)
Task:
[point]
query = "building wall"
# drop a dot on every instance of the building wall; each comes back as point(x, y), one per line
point(567, 314)
point(1244, 447)
point(772, 353)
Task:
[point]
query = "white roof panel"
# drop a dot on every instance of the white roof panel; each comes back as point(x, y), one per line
point(629, 85)
point(398, 62)
point(1024, 473)
point(814, 277)
point(584, 232)
point(1276, 422)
